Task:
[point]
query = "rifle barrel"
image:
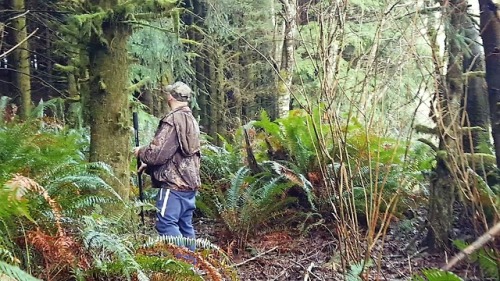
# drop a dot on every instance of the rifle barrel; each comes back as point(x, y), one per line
point(139, 174)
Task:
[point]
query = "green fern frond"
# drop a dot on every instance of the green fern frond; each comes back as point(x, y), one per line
point(271, 189)
point(7, 255)
point(294, 177)
point(56, 105)
point(107, 248)
point(4, 101)
point(484, 257)
point(219, 162)
point(14, 272)
point(435, 274)
point(356, 269)
point(179, 240)
point(265, 123)
point(234, 194)
point(90, 201)
point(252, 201)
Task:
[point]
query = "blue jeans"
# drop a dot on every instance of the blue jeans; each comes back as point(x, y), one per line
point(175, 213)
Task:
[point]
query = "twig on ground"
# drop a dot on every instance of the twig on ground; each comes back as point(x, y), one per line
point(308, 270)
point(485, 238)
point(285, 270)
point(254, 258)
point(418, 252)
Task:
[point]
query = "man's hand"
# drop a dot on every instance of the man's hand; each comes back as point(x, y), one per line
point(142, 167)
point(136, 151)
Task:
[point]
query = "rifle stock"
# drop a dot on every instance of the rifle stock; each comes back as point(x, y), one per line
point(139, 174)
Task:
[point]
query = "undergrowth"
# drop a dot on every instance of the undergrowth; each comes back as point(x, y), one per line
point(55, 218)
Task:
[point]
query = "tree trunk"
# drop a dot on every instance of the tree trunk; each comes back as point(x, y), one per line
point(110, 124)
point(196, 18)
point(490, 33)
point(288, 59)
point(220, 93)
point(84, 87)
point(21, 59)
point(447, 117)
point(329, 24)
point(214, 101)
point(476, 97)
point(74, 115)
point(278, 32)
point(147, 98)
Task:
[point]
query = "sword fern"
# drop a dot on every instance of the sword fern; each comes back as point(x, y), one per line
point(252, 201)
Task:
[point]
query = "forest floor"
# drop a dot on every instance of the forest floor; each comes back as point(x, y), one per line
point(290, 255)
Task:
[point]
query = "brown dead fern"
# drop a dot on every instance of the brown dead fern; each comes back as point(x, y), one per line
point(58, 250)
point(21, 185)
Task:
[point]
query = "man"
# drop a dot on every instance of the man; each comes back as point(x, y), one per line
point(172, 159)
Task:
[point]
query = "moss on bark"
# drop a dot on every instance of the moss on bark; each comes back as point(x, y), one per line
point(109, 102)
point(21, 59)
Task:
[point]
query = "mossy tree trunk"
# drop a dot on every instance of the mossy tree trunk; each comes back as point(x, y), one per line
point(84, 87)
point(447, 117)
point(74, 115)
point(195, 20)
point(109, 102)
point(20, 58)
point(476, 95)
point(217, 101)
point(490, 33)
point(221, 105)
point(288, 59)
point(201, 89)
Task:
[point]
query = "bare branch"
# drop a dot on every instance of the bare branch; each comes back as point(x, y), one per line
point(18, 44)
point(479, 243)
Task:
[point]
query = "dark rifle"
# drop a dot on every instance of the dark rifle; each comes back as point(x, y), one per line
point(139, 173)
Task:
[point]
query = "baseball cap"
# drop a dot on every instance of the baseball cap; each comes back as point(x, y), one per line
point(179, 90)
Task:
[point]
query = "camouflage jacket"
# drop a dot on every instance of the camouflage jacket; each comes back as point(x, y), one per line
point(173, 156)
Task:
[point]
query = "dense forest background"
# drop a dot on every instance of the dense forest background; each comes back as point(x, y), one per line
point(369, 129)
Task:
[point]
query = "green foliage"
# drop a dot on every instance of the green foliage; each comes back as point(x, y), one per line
point(170, 267)
point(436, 275)
point(149, 43)
point(54, 159)
point(113, 254)
point(226, 19)
point(292, 140)
point(30, 151)
point(45, 179)
point(14, 272)
point(186, 241)
point(219, 162)
point(356, 269)
point(4, 101)
point(486, 257)
point(380, 166)
point(251, 201)
point(370, 148)
point(9, 210)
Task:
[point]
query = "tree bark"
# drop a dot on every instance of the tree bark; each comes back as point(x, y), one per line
point(110, 134)
point(214, 101)
point(220, 93)
point(288, 59)
point(490, 33)
point(74, 115)
point(447, 116)
point(476, 97)
point(196, 20)
point(21, 59)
